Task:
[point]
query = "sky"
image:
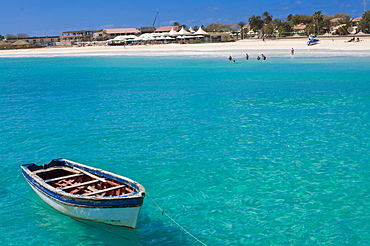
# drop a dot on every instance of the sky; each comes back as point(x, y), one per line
point(51, 18)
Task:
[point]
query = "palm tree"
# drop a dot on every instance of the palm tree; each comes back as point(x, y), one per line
point(241, 25)
point(317, 18)
point(365, 22)
point(289, 17)
point(267, 18)
point(256, 23)
point(310, 28)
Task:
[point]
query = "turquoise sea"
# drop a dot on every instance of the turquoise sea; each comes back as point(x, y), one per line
point(271, 152)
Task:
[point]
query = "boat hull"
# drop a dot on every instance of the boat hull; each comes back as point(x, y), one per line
point(94, 203)
point(125, 216)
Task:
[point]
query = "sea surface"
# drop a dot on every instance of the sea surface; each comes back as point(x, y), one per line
point(271, 152)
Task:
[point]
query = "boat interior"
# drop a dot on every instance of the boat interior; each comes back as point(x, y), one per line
point(79, 182)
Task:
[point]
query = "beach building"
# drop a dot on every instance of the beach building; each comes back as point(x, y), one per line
point(78, 36)
point(37, 40)
point(5, 45)
point(111, 33)
point(356, 21)
point(166, 29)
point(356, 25)
point(148, 29)
point(300, 28)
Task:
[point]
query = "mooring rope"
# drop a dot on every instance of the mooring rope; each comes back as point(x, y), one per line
point(163, 213)
point(174, 221)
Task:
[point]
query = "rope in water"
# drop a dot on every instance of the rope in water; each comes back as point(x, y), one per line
point(164, 213)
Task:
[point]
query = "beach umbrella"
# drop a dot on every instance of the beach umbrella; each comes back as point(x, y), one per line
point(173, 33)
point(20, 43)
point(201, 32)
point(4, 44)
point(183, 32)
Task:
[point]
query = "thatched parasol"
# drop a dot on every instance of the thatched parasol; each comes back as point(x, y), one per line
point(21, 43)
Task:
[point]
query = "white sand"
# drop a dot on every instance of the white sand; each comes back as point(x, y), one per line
point(331, 46)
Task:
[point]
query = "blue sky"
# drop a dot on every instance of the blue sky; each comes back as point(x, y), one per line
point(42, 18)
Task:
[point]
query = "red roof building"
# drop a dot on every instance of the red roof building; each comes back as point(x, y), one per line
point(300, 27)
point(167, 29)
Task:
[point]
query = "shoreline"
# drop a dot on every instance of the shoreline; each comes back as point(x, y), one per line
point(328, 46)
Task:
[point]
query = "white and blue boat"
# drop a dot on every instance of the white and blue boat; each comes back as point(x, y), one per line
point(85, 192)
point(312, 40)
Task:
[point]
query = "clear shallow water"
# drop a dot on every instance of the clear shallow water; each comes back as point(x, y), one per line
point(269, 152)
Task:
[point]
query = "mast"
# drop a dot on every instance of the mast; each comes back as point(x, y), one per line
point(155, 18)
point(364, 6)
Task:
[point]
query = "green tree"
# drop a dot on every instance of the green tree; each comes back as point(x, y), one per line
point(317, 19)
point(176, 23)
point(344, 19)
point(365, 22)
point(266, 17)
point(218, 27)
point(241, 25)
point(11, 36)
point(298, 19)
point(289, 17)
point(22, 35)
point(342, 30)
point(310, 28)
point(282, 29)
point(256, 23)
point(268, 30)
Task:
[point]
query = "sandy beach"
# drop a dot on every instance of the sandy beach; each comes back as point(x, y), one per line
point(328, 46)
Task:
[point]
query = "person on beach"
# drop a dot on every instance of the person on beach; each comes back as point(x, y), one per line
point(292, 52)
point(263, 57)
point(246, 57)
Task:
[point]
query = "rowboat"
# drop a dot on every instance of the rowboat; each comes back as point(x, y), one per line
point(85, 192)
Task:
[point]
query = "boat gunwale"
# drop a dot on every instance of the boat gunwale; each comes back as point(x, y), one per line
point(31, 176)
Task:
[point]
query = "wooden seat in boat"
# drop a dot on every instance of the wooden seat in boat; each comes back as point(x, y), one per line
point(105, 190)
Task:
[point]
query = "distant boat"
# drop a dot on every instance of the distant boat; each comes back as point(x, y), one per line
point(312, 40)
point(86, 193)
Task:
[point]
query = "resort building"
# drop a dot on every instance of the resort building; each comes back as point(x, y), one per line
point(111, 33)
point(37, 40)
point(300, 28)
point(166, 29)
point(78, 36)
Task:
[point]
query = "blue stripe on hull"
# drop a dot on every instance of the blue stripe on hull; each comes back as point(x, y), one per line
point(130, 200)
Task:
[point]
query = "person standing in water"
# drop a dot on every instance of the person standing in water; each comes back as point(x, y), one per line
point(292, 52)
point(230, 58)
point(246, 57)
point(263, 57)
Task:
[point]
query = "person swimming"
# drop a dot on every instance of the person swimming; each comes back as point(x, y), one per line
point(258, 58)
